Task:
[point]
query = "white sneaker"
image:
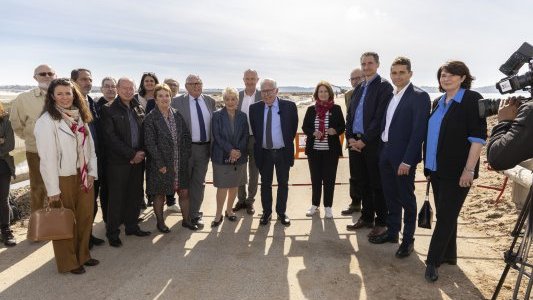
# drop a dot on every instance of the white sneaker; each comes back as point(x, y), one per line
point(329, 214)
point(174, 208)
point(311, 211)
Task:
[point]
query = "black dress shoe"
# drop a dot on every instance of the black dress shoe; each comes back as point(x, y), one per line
point(79, 270)
point(232, 218)
point(91, 262)
point(351, 209)
point(359, 224)
point(265, 219)
point(96, 241)
point(189, 225)
point(215, 223)
point(139, 232)
point(163, 228)
point(284, 219)
point(115, 243)
point(250, 209)
point(432, 273)
point(384, 238)
point(405, 249)
point(239, 206)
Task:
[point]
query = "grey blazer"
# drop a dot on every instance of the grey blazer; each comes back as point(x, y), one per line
point(181, 104)
point(241, 96)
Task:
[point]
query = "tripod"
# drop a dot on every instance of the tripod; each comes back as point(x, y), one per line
point(519, 260)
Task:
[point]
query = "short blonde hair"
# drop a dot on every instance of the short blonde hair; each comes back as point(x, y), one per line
point(229, 91)
point(162, 87)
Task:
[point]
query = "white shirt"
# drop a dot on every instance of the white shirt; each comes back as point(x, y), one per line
point(390, 111)
point(245, 107)
point(195, 126)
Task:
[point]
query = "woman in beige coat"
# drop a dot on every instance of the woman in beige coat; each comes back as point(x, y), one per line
point(68, 168)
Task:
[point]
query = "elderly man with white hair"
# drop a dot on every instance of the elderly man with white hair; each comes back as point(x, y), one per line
point(197, 110)
point(274, 122)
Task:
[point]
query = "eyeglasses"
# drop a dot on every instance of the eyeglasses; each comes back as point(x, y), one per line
point(355, 78)
point(110, 87)
point(194, 83)
point(43, 74)
point(268, 91)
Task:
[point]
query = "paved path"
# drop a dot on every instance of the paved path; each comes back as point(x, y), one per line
point(314, 258)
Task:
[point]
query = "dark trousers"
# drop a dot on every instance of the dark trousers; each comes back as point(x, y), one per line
point(399, 192)
point(125, 193)
point(323, 169)
point(365, 163)
point(357, 182)
point(5, 181)
point(279, 160)
point(449, 198)
point(101, 189)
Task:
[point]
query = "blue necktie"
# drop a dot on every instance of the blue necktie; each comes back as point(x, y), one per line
point(203, 134)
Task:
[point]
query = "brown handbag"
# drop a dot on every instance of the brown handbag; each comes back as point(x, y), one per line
point(51, 223)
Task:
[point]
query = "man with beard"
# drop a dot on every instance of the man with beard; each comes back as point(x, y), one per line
point(83, 78)
point(25, 110)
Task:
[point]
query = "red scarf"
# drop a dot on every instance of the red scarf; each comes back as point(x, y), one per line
point(322, 109)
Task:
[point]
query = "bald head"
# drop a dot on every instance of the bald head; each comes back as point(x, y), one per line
point(125, 89)
point(250, 79)
point(356, 77)
point(44, 74)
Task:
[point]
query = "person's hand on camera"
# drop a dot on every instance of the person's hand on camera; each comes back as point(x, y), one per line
point(509, 108)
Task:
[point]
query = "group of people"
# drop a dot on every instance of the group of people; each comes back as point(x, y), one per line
point(80, 149)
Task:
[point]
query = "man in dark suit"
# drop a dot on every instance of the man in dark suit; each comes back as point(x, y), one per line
point(247, 97)
point(122, 127)
point(363, 129)
point(274, 122)
point(84, 81)
point(197, 110)
point(403, 132)
point(356, 77)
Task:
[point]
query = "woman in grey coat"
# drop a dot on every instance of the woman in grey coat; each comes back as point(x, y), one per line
point(7, 170)
point(168, 144)
point(230, 139)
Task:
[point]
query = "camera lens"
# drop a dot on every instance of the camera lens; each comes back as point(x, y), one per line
point(488, 107)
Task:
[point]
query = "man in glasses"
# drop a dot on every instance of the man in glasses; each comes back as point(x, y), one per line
point(197, 110)
point(356, 77)
point(109, 93)
point(174, 86)
point(25, 110)
point(274, 123)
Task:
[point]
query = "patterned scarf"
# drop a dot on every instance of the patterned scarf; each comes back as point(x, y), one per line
point(321, 110)
point(81, 131)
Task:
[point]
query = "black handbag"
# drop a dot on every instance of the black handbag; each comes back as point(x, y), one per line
point(425, 216)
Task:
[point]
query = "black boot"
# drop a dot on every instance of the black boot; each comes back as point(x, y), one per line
point(7, 236)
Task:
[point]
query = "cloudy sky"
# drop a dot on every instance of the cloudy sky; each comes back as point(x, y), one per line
point(295, 42)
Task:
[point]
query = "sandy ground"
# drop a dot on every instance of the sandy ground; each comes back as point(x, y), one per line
point(314, 258)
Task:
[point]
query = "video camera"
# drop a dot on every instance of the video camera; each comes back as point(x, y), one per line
point(513, 82)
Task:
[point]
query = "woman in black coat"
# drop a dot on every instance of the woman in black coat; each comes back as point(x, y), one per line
point(323, 123)
point(456, 133)
point(7, 170)
point(168, 144)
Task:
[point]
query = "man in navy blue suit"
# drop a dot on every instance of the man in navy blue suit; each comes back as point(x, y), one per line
point(274, 122)
point(403, 130)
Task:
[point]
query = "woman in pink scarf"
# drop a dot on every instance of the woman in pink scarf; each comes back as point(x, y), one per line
point(323, 123)
point(68, 168)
